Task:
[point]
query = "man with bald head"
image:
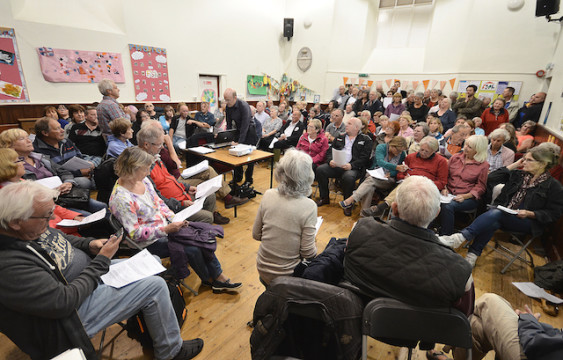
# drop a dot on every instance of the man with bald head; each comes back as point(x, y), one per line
point(531, 110)
point(357, 148)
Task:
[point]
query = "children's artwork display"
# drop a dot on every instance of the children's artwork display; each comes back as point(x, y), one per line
point(150, 73)
point(78, 66)
point(256, 85)
point(12, 82)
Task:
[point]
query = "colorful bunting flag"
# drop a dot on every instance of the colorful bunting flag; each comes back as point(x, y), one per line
point(452, 83)
point(389, 82)
point(425, 82)
point(442, 85)
point(415, 85)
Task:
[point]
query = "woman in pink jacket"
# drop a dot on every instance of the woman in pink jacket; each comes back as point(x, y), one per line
point(314, 142)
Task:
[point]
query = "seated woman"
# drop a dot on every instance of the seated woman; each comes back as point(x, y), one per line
point(148, 221)
point(77, 116)
point(467, 181)
point(388, 133)
point(141, 117)
point(38, 166)
point(375, 123)
point(166, 118)
point(365, 117)
point(525, 137)
point(51, 111)
point(270, 127)
point(314, 142)
point(453, 143)
point(122, 132)
point(383, 122)
point(499, 155)
point(435, 127)
point(478, 122)
point(405, 122)
point(388, 156)
point(532, 192)
point(286, 219)
point(512, 142)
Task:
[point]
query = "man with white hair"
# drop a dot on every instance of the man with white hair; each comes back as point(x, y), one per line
point(261, 115)
point(374, 104)
point(51, 295)
point(396, 259)
point(109, 109)
point(357, 149)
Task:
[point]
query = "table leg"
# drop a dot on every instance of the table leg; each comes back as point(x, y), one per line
point(271, 170)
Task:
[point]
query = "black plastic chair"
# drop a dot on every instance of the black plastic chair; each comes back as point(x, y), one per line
point(396, 323)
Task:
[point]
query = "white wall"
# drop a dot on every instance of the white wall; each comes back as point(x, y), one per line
point(468, 40)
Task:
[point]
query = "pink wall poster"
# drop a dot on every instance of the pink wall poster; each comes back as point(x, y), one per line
point(150, 73)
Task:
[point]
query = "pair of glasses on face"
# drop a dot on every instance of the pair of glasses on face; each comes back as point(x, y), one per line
point(46, 218)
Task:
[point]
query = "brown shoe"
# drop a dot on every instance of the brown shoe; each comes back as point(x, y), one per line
point(322, 202)
point(235, 201)
point(220, 219)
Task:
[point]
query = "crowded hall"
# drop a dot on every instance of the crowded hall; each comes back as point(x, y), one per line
point(283, 179)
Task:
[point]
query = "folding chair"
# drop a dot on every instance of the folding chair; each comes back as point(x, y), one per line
point(519, 239)
point(396, 323)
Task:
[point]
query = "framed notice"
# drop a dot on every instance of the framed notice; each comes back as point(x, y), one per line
point(12, 82)
point(150, 73)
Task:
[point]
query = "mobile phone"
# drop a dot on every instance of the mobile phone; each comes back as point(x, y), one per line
point(118, 233)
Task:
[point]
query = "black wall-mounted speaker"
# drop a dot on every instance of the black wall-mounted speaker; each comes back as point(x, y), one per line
point(547, 7)
point(288, 28)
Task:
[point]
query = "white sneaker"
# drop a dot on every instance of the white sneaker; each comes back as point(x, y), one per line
point(454, 241)
point(471, 259)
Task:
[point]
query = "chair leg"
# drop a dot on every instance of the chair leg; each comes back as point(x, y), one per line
point(101, 344)
point(410, 354)
point(189, 288)
point(364, 347)
point(517, 256)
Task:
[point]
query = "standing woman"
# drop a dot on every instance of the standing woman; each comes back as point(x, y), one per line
point(467, 181)
point(531, 192)
point(396, 107)
point(286, 219)
point(166, 119)
point(494, 116)
point(446, 116)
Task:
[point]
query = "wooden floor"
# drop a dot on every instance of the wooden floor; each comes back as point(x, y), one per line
point(220, 319)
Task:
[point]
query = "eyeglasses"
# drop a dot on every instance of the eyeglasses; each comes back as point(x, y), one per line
point(529, 159)
point(46, 218)
point(158, 145)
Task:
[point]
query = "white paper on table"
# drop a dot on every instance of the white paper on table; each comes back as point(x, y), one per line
point(387, 101)
point(182, 144)
point(135, 268)
point(339, 157)
point(507, 210)
point(71, 354)
point(52, 182)
point(189, 211)
point(446, 199)
point(76, 163)
point(378, 173)
point(196, 169)
point(318, 224)
point(209, 187)
point(202, 150)
point(274, 140)
point(532, 290)
point(97, 216)
point(393, 117)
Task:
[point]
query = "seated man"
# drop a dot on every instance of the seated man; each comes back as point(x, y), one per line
point(290, 132)
point(87, 136)
point(50, 140)
point(205, 119)
point(426, 162)
point(51, 295)
point(181, 127)
point(261, 115)
point(405, 260)
point(336, 126)
point(175, 195)
point(357, 147)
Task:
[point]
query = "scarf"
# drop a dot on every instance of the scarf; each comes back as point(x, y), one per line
point(517, 199)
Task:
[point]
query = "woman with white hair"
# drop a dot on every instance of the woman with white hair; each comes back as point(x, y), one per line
point(286, 219)
point(467, 181)
point(499, 155)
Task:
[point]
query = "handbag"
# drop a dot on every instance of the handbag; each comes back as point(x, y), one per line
point(76, 198)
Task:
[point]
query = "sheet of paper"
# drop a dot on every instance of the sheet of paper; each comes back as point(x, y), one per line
point(339, 157)
point(202, 150)
point(52, 182)
point(182, 144)
point(71, 354)
point(393, 117)
point(387, 101)
point(378, 173)
point(189, 211)
point(275, 140)
point(507, 210)
point(446, 199)
point(196, 169)
point(133, 269)
point(209, 187)
point(318, 224)
point(97, 216)
point(532, 290)
point(76, 163)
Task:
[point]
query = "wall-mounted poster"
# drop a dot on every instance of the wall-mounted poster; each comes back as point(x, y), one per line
point(150, 73)
point(255, 85)
point(208, 90)
point(77, 66)
point(12, 82)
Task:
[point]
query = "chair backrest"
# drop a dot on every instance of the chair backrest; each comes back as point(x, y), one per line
point(399, 324)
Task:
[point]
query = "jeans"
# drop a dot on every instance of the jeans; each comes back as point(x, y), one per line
point(447, 213)
point(84, 182)
point(205, 269)
point(108, 305)
point(349, 177)
point(96, 160)
point(483, 228)
point(93, 206)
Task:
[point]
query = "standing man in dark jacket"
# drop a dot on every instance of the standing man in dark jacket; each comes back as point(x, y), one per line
point(51, 295)
point(357, 148)
point(530, 111)
point(239, 117)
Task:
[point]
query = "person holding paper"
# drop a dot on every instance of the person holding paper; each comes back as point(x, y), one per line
point(396, 107)
point(51, 295)
point(314, 143)
point(286, 219)
point(467, 180)
point(390, 158)
point(149, 222)
point(532, 192)
point(357, 149)
point(50, 140)
point(270, 127)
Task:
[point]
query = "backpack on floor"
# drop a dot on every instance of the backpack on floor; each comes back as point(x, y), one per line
point(550, 276)
point(136, 326)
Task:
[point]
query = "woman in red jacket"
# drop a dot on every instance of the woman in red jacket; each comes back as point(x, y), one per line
point(314, 142)
point(494, 116)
